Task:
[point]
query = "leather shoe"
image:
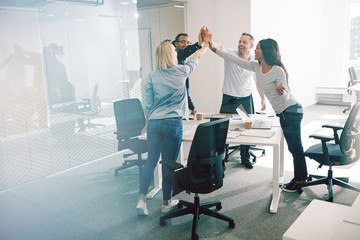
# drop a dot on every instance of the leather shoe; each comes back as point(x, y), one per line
point(247, 164)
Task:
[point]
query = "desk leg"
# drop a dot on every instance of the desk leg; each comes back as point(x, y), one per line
point(180, 158)
point(157, 181)
point(282, 168)
point(276, 175)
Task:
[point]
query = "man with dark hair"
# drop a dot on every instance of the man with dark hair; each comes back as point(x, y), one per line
point(184, 50)
point(237, 87)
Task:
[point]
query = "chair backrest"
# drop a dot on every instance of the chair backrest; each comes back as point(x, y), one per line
point(205, 161)
point(95, 103)
point(130, 118)
point(352, 73)
point(350, 136)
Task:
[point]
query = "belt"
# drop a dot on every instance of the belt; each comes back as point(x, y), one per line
point(295, 109)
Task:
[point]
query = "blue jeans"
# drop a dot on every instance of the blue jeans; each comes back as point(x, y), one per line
point(290, 121)
point(163, 136)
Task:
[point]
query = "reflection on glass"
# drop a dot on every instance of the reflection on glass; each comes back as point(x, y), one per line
point(59, 78)
point(60, 90)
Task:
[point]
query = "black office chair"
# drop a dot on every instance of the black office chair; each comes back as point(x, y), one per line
point(130, 120)
point(203, 173)
point(353, 80)
point(344, 151)
point(87, 109)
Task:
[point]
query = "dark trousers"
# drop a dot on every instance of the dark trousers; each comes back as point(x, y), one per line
point(290, 121)
point(229, 105)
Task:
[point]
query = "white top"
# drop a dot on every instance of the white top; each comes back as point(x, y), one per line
point(237, 80)
point(266, 82)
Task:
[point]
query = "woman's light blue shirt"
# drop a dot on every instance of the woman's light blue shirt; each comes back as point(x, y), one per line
point(166, 95)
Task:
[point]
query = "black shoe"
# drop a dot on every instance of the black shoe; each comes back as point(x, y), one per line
point(292, 186)
point(247, 164)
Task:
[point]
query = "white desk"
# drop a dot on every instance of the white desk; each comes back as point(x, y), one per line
point(276, 141)
point(355, 94)
point(354, 215)
point(326, 221)
point(319, 221)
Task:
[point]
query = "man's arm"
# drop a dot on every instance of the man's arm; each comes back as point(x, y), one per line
point(188, 51)
point(262, 96)
point(191, 105)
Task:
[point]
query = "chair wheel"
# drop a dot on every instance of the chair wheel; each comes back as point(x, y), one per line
point(162, 223)
point(232, 224)
point(218, 207)
point(195, 236)
point(309, 179)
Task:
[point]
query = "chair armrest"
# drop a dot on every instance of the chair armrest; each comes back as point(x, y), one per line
point(211, 160)
point(172, 165)
point(334, 126)
point(322, 137)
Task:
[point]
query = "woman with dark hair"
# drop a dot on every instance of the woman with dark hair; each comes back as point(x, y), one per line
point(272, 79)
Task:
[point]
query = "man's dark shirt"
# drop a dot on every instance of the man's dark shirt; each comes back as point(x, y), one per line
point(181, 57)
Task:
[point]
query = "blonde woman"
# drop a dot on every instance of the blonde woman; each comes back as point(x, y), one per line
point(165, 106)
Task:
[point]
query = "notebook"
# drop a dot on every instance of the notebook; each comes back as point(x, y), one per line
point(257, 133)
point(257, 123)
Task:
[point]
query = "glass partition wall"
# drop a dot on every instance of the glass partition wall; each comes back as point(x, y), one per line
point(62, 65)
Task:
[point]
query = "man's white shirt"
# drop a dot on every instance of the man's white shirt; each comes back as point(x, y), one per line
point(237, 80)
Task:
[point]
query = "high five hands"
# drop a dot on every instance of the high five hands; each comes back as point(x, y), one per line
point(205, 35)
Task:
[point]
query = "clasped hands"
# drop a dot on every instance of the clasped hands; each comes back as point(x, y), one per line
point(205, 36)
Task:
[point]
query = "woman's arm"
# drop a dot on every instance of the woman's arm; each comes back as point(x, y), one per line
point(206, 38)
point(149, 95)
point(246, 64)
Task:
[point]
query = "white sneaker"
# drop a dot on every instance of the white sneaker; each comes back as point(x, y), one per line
point(141, 208)
point(171, 206)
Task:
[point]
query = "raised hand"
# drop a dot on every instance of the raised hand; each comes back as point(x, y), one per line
point(215, 46)
point(207, 35)
point(201, 36)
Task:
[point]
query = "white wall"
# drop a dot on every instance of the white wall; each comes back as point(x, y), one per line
point(310, 34)
point(296, 26)
point(334, 44)
point(163, 22)
point(227, 19)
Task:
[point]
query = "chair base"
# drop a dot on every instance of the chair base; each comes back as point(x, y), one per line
point(330, 181)
point(197, 209)
point(130, 163)
point(237, 148)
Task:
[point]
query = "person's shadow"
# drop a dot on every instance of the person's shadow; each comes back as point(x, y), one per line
point(60, 90)
point(22, 91)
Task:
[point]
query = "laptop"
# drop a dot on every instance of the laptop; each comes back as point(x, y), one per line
point(257, 123)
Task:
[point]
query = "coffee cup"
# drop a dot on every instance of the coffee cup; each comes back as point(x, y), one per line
point(199, 116)
point(248, 124)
